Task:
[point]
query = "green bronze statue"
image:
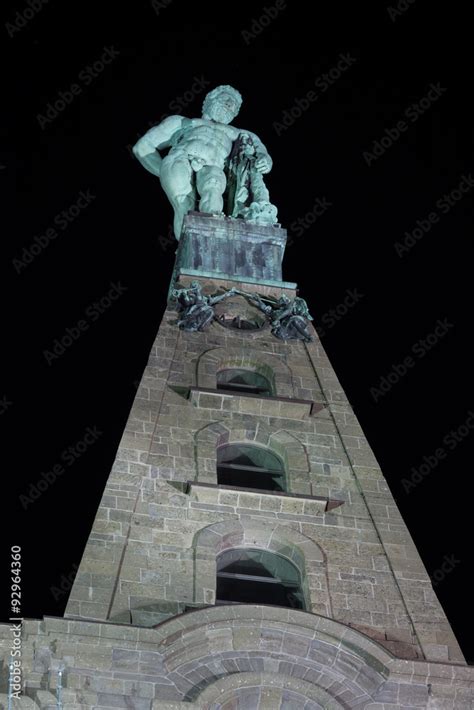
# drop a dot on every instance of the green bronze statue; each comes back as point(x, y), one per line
point(196, 310)
point(288, 317)
point(195, 171)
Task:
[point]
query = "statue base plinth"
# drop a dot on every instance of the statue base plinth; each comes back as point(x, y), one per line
point(229, 248)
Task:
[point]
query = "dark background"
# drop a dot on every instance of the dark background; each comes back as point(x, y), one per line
point(122, 237)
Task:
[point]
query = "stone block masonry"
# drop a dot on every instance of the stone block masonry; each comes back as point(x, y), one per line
point(144, 627)
point(256, 656)
point(140, 565)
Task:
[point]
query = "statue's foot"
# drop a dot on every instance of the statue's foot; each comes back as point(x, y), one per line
point(261, 213)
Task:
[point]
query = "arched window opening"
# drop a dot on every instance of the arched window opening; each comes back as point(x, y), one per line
point(253, 576)
point(245, 381)
point(249, 466)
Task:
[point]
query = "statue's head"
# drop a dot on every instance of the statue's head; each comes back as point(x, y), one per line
point(222, 104)
point(247, 145)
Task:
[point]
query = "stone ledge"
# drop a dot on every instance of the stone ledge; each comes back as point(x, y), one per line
point(286, 407)
point(219, 276)
point(212, 281)
point(321, 503)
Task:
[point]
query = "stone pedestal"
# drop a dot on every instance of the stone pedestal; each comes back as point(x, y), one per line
point(224, 247)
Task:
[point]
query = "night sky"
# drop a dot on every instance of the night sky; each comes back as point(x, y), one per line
point(364, 111)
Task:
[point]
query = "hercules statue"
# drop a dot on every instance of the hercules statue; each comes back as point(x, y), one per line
point(197, 164)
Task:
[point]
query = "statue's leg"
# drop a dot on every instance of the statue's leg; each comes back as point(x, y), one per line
point(301, 329)
point(259, 189)
point(207, 318)
point(211, 183)
point(177, 182)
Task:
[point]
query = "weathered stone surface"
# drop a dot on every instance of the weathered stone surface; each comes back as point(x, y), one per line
point(372, 633)
point(236, 654)
point(220, 247)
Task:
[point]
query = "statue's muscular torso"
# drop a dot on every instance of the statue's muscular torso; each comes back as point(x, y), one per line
point(207, 140)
